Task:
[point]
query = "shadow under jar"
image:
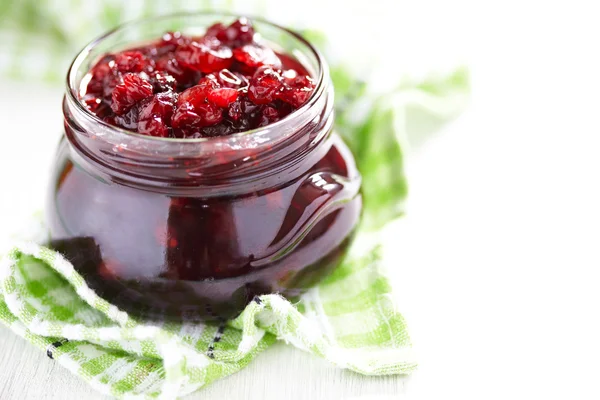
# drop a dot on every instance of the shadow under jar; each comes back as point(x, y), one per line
point(195, 228)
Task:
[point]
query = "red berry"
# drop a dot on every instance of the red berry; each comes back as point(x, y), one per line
point(161, 105)
point(127, 94)
point(200, 92)
point(255, 55)
point(155, 115)
point(196, 117)
point(204, 57)
point(241, 107)
point(223, 96)
point(130, 61)
point(297, 91)
point(153, 127)
point(237, 34)
point(242, 113)
point(192, 110)
point(170, 65)
point(265, 86)
point(235, 110)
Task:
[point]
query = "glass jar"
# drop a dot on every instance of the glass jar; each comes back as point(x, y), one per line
point(196, 228)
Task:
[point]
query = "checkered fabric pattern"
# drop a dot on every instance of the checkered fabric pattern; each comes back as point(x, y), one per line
point(349, 319)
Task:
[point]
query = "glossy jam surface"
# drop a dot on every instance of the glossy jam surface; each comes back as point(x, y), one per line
point(224, 82)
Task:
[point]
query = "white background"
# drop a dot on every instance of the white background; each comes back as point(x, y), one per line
point(496, 262)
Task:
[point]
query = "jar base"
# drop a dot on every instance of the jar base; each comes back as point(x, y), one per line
point(210, 300)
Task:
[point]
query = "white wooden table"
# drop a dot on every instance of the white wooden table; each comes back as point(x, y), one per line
point(279, 373)
point(496, 263)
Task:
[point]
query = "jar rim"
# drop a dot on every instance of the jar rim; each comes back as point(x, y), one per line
point(74, 98)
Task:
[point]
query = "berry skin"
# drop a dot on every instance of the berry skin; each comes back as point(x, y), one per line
point(127, 94)
point(169, 65)
point(243, 113)
point(237, 34)
point(205, 57)
point(254, 56)
point(155, 115)
point(197, 116)
point(130, 61)
point(265, 86)
point(223, 97)
point(297, 91)
point(193, 110)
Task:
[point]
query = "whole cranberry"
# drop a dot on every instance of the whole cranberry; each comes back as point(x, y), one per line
point(204, 57)
point(242, 108)
point(297, 91)
point(193, 110)
point(237, 34)
point(126, 94)
point(130, 61)
point(155, 115)
point(265, 86)
point(255, 55)
point(223, 96)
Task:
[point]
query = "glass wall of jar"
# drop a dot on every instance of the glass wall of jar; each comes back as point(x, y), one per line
point(196, 228)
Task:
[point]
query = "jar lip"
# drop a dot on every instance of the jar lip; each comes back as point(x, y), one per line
point(74, 98)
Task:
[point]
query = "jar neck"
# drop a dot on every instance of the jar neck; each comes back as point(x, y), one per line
point(231, 165)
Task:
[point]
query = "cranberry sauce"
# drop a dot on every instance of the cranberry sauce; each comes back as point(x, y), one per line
point(195, 229)
point(164, 254)
point(224, 82)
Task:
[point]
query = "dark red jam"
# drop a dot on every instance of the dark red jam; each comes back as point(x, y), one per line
point(196, 229)
point(224, 82)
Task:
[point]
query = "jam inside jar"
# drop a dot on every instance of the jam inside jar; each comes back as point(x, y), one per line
point(195, 228)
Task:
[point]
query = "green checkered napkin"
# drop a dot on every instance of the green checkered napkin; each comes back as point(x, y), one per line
point(349, 319)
